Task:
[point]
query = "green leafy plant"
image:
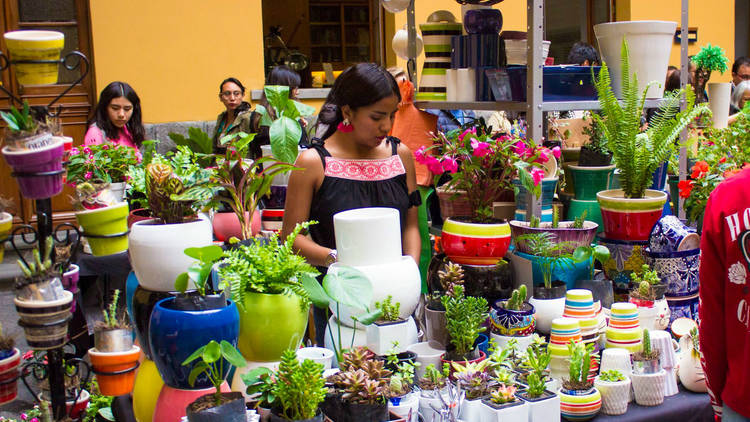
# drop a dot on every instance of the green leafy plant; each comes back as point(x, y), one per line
point(199, 272)
point(40, 269)
point(503, 394)
point(451, 274)
point(97, 402)
point(638, 154)
point(644, 282)
point(260, 386)
point(197, 140)
point(534, 222)
point(578, 221)
point(710, 58)
point(402, 379)
point(536, 384)
point(212, 357)
point(433, 379)
point(270, 267)
point(553, 254)
point(517, 298)
point(580, 363)
point(695, 340)
point(464, 317)
point(597, 142)
point(107, 162)
point(613, 375)
point(597, 252)
point(114, 318)
point(299, 387)
point(389, 311)
point(283, 129)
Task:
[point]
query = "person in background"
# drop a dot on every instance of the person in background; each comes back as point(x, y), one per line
point(353, 164)
point(237, 117)
point(740, 70)
point(740, 97)
point(725, 298)
point(583, 54)
point(117, 117)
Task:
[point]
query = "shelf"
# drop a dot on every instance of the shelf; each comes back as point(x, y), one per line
point(518, 106)
point(336, 23)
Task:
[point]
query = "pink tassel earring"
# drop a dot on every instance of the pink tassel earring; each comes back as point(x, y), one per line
point(345, 126)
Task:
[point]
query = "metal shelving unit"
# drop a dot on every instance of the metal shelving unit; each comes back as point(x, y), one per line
point(517, 105)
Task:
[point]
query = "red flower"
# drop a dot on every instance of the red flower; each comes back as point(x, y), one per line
point(723, 160)
point(700, 168)
point(685, 186)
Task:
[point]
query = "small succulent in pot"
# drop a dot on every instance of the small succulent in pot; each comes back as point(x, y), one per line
point(299, 387)
point(114, 333)
point(517, 298)
point(39, 282)
point(389, 310)
point(23, 125)
point(613, 375)
point(433, 379)
point(360, 390)
point(580, 362)
point(473, 378)
point(452, 274)
point(647, 360)
point(646, 284)
point(503, 394)
point(402, 380)
point(260, 385)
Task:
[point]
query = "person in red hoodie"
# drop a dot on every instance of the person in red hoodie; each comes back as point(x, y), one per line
point(725, 298)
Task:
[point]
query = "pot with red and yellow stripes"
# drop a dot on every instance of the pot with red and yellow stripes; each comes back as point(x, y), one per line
point(579, 405)
point(470, 243)
point(630, 218)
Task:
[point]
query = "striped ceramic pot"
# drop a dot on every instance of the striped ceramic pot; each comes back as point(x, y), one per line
point(475, 243)
point(630, 218)
point(437, 49)
point(580, 405)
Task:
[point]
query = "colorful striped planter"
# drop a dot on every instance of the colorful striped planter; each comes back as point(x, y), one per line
point(624, 329)
point(475, 243)
point(271, 219)
point(9, 377)
point(630, 218)
point(548, 193)
point(578, 405)
point(437, 47)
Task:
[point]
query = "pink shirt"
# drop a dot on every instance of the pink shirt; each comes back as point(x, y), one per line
point(95, 136)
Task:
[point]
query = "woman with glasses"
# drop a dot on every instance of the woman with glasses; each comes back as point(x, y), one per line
point(237, 117)
point(117, 117)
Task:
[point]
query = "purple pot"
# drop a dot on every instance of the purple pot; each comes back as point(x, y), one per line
point(483, 21)
point(564, 233)
point(46, 159)
point(70, 282)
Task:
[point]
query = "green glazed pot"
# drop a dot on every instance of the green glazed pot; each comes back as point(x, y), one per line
point(593, 212)
point(270, 324)
point(568, 178)
point(103, 222)
point(588, 181)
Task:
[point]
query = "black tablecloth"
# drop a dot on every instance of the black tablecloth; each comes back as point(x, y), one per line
point(685, 406)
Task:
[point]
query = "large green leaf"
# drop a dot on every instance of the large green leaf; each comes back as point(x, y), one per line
point(265, 119)
point(181, 283)
point(255, 376)
point(304, 109)
point(212, 352)
point(285, 134)
point(208, 253)
point(318, 295)
point(232, 355)
point(194, 356)
point(348, 286)
point(582, 253)
point(369, 317)
point(277, 96)
point(198, 369)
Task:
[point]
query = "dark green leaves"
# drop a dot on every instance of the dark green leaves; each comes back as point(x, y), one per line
point(198, 141)
point(211, 356)
point(285, 134)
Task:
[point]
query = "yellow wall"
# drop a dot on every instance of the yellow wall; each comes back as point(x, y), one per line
point(175, 52)
point(714, 20)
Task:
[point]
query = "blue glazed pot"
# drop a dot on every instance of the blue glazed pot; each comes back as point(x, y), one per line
point(684, 307)
point(512, 323)
point(669, 234)
point(482, 342)
point(660, 177)
point(144, 301)
point(677, 270)
point(175, 334)
point(483, 21)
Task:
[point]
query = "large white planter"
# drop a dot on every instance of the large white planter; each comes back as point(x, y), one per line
point(546, 310)
point(649, 388)
point(546, 409)
point(380, 338)
point(615, 395)
point(407, 407)
point(157, 250)
point(718, 101)
point(508, 412)
point(649, 43)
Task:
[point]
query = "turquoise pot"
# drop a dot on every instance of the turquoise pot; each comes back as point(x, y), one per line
point(568, 271)
point(548, 193)
point(576, 208)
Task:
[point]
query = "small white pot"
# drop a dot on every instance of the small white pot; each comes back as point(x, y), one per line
point(515, 411)
point(407, 407)
point(615, 395)
point(718, 101)
point(545, 311)
point(471, 410)
point(691, 372)
point(118, 190)
point(316, 354)
point(382, 335)
point(649, 388)
point(428, 352)
point(545, 409)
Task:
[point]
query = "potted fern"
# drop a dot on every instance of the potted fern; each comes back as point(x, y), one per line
point(579, 399)
point(648, 377)
point(30, 148)
point(513, 317)
point(630, 213)
point(615, 389)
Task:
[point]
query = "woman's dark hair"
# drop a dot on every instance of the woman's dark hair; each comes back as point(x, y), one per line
point(358, 86)
point(280, 75)
point(580, 52)
point(244, 106)
point(101, 117)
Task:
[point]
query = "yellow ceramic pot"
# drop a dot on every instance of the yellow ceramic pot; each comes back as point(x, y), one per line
point(6, 223)
point(35, 45)
point(106, 221)
point(148, 385)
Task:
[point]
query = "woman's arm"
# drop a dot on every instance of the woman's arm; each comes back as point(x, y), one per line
point(299, 194)
point(412, 243)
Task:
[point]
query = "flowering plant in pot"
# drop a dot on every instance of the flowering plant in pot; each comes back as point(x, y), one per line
point(710, 58)
point(579, 399)
point(299, 389)
point(630, 212)
point(216, 406)
point(107, 162)
point(359, 391)
point(615, 389)
point(502, 404)
point(648, 377)
point(464, 317)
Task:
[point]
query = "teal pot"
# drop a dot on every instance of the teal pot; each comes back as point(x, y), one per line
point(568, 180)
point(571, 155)
point(588, 181)
point(577, 207)
point(548, 193)
point(175, 334)
point(527, 269)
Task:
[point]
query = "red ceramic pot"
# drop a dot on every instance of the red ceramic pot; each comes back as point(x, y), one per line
point(8, 377)
point(271, 219)
point(475, 243)
point(137, 215)
point(226, 225)
point(75, 410)
point(630, 218)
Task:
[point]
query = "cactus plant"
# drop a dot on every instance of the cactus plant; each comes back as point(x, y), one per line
point(517, 298)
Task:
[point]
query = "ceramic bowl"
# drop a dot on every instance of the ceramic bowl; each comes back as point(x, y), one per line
point(669, 234)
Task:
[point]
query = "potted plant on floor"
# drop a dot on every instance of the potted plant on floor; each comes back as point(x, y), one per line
point(630, 212)
point(615, 389)
point(579, 399)
point(114, 356)
point(216, 406)
point(475, 380)
point(513, 318)
point(267, 281)
point(451, 274)
point(464, 317)
point(502, 404)
point(388, 328)
point(359, 390)
point(601, 288)
point(647, 291)
point(10, 359)
point(41, 302)
point(648, 377)
point(30, 148)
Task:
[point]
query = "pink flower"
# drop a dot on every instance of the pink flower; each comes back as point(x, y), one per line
point(420, 156)
point(86, 150)
point(480, 148)
point(537, 174)
point(543, 156)
point(450, 164)
point(34, 420)
point(88, 175)
point(23, 416)
point(434, 165)
point(519, 148)
point(556, 152)
point(105, 146)
point(74, 151)
point(466, 132)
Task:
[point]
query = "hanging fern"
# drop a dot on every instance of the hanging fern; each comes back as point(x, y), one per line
point(638, 154)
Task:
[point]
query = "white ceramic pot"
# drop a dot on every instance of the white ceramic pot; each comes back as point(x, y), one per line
point(649, 44)
point(691, 372)
point(157, 250)
point(517, 411)
point(545, 311)
point(407, 407)
point(718, 100)
point(316, 354)
point(380, 338)
point(666, 345)
point(471, 410)
point(647, 317)
point(615, 395)
point(649, 388)
point(118, 190)
point(428, 352)
point(544, 410)
point(399, 279)
point(616, 358)
point(368, 237)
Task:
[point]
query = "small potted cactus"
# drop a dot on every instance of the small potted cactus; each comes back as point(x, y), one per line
point(513, 318)
point(615, 389)
point(648, 378)
point(502, 404)
point(648, 295)
point(579, 399)
point(10, 359)
point(388, 328)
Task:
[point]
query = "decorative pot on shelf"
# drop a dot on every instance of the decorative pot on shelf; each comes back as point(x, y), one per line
point(630, 218)
point(45, 324)
point(9, 376)
point(615, 395)
point(548, 304)
point(589, 181)
point(624, 330)
point(105, 222)
point(580, 405)
point(677, 270)
point(563, 330)
point(46, 159)
point(574, 237)
point(436, 34)
point(509, 322)
point(35, 45)
point(475, 243)
point(626, 256)
point(115, 371)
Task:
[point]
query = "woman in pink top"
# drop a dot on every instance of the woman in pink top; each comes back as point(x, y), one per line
point(117, 117)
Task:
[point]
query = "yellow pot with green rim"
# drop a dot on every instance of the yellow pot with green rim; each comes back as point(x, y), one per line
point(35, 45)
point(101, 227)
point(475, 243)
point(6, 223)
point(270, 324)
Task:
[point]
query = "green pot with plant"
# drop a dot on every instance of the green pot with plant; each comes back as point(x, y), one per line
point(216, 406)
point(648, 377)
point(615, 389)
point(630, 213)
point(601, 287)
point(359, 392)
point(594, 153)
point(579, 399)
point(266, 280)
point(464, 317)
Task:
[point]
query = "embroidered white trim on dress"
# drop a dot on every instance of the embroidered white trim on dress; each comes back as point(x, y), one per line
point(365, 170)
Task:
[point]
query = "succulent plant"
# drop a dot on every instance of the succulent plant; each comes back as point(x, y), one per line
point(464, 316)
point(517, 298)
point(473, 378)
point(362, 379)
point(613, 375)
point(433, 379)
point(580, 363)
point(648, 352)
point(536, 385)
point(112, 320)
point(389, 310)
point(451, 275)
point(503, 394)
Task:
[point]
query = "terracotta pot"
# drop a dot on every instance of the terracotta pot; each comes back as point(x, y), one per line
point(226, 225)
point(453, 203)
point(140, 214)
point(115, 371)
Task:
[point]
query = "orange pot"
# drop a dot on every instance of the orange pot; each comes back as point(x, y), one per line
point(115, 371)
